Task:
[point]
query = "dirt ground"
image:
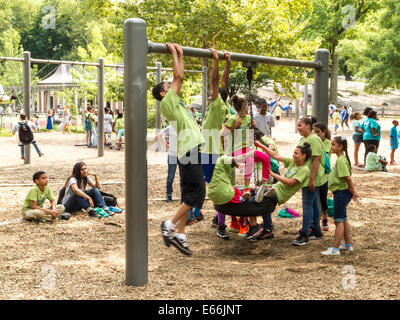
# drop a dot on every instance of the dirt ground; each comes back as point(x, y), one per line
point(85, 259)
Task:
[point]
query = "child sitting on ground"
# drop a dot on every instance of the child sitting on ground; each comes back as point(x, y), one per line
point(374, 162)
point(33, 204)
point(120, 130)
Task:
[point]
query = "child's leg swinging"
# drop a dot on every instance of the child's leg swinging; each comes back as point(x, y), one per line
point(266, 164)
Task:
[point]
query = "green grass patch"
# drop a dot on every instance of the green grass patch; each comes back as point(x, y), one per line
point(5, 133)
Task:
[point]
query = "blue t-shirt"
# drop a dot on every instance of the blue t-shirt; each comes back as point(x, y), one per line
point(367, 125)
point(395, 141)
point(357, 123)
point(344, 114)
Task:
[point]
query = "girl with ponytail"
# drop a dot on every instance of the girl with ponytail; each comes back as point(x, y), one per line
point(342, 186)
point(238, 127)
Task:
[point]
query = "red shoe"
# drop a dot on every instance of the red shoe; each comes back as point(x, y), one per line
point(234, 226)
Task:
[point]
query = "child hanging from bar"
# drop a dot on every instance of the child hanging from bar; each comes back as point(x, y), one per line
point(189, 140)
point(240, 124)
point(214, 118)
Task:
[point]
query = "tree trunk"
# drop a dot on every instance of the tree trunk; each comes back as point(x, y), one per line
point(333, 94)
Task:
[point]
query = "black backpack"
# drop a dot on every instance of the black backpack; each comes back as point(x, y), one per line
point(109, 199)
point(61, 194)
point(25, 133)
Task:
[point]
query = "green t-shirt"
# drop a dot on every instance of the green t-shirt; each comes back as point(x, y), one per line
point(317, 148)
point(371, 162)
point(119, 124)
point(220, 190)
point(36, 195)
point(337, 177)
point(241, 135)
point(179, 117)
point(212, 125)
point(300, 173)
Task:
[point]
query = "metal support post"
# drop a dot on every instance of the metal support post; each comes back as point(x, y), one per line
point(204, 95)
point(297, 110)
point(305, 100)
point(100, 120)
point(27, 97)
point(321, 86)
point(158, 114)
point(135, 102)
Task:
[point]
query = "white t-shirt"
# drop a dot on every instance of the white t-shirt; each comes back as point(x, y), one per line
point(265, 122)
point(107, 123)
point(254, 109)
point(16, 126)
point(173, 139)
point(69, 192)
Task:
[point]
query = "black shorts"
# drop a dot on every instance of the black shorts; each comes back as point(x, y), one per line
point(193, 190)
point(278, 117)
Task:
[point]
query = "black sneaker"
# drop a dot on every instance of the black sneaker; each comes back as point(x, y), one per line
point(166, 234)
point(301, 240)
point(254, 231)
point(94, 214)
point(214, 222)
point(222, 233)
point(266, 234)
point(181, 245)
point(110, 213)
point(315, 234)
point(65, 216)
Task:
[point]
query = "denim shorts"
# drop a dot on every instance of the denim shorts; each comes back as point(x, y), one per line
point(341, 199)
point(357, 138)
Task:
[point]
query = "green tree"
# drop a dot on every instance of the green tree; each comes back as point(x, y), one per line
point(260, 27)
point(332, 21)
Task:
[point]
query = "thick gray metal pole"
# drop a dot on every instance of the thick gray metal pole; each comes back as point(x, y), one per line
point(305, 99)
point(321, 86)
point(158, 80)
point(100, 120)
point(27, 97)
point(204, 95)
point(135, 85)
point(297, 110)
point(158, 114)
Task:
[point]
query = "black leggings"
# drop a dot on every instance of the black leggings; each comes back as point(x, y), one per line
point(367, 143)
point(323, 197)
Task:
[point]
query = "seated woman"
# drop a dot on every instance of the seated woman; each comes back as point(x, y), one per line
point(76, 196)
point(295, 178)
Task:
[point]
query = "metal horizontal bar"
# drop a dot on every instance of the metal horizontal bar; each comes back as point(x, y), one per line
point(154, 68)
point(205, 53)
point(92, 64)
point(11, 59)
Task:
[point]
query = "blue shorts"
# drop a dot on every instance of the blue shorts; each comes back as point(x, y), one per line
point(357, 138)
point(208, 162)
point(341, 199)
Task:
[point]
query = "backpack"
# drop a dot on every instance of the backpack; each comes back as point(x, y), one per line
point(327, 165)
point(88, 125)
point(25, 133)
point(61, 195)
point(109, 199)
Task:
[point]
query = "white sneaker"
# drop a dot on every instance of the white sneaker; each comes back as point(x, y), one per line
point(260, 193)
point(331, 252)
point(343, 247)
